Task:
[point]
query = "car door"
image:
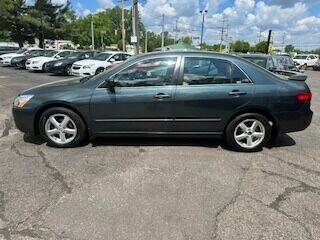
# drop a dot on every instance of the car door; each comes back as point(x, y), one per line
point(141, 100)
point(209, 92)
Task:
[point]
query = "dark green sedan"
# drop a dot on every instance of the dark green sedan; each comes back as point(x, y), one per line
point(169, 94)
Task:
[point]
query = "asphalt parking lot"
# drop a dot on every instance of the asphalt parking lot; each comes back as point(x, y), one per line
point(156, 188)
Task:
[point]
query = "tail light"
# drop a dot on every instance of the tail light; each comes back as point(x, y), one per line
point(304, 97)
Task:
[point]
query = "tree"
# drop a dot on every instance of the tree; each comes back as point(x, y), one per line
point(241, 46)
point(289, 48)
point(262, 47)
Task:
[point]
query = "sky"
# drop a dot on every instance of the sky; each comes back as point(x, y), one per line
point(293, 21)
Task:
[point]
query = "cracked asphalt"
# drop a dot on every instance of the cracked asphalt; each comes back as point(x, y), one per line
point(155, 188)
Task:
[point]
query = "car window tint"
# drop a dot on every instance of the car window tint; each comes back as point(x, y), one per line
point(150, 72)
point(198, 71)
point(64, 54)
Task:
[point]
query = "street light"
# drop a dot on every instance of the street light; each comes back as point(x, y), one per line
point(203, 13)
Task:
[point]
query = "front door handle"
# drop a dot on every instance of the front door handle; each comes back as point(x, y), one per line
point(161, 96)
point(237, 93)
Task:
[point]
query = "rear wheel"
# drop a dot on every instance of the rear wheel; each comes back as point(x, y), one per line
point(248, 132)
point(62, 128)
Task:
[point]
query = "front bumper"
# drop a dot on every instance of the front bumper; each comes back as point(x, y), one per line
point(82, 72)
point(56, 70)
point(34, 67)
point(24, 120)
point(293, 121)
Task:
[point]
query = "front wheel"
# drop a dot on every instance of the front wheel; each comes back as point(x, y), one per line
point(62, 128)
point(248, 132)
point(99, 70)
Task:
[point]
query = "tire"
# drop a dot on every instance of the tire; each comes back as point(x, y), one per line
point(67, 70)
point(304, 67)
point(99, 70)
point(259, 136)
point(74, 132)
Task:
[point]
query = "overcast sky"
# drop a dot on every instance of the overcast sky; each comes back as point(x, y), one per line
point(293, 21)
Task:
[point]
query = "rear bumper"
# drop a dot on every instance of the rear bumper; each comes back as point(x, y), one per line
point(24, 120)
point(56, 70)
point(293, 121)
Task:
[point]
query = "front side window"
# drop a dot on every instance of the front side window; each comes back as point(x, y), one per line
point(199, 71)
point(64, 54)
point(150, 72)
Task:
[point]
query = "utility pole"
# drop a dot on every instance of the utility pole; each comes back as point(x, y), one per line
point(162, 34)
point(123, 31)
point(260, 35)
point(203, 13)
point(223, 30)
point(41, 23)
point(176, 30)
point(269, 41)
point(146, 42)
point(135, 30)
point(92, 34)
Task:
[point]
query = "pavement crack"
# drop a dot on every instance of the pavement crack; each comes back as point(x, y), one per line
point(55, 172)
point(16, 150)
point(277, 209)
point(8, 124)
point(297, 166)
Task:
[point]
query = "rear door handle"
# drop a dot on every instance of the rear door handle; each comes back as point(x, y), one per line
point(237, 93)
point(161, 96)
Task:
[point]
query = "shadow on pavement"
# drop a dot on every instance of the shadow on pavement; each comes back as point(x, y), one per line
point(281, 141)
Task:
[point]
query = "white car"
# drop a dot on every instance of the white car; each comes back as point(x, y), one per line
point(37, 63)
point(5, 59)
point(306, 60)
point(98, 63)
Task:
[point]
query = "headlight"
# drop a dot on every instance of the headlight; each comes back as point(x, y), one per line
point(57, 64)
point(35, 62)
point(22, 100)
point(87, 66)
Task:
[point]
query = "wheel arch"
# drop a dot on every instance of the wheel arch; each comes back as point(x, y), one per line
point(257, 110)
point(53, 105)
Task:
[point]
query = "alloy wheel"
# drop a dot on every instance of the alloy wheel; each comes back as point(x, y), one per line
point(61, 129)
point(249, 133)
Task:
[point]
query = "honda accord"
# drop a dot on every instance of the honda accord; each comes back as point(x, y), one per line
point(169, 94)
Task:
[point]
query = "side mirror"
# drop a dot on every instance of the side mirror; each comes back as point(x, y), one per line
point(112, 60)
point(110, 85)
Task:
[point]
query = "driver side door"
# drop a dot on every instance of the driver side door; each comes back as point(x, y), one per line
point(140, 102)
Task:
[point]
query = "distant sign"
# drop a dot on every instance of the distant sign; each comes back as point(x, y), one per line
point(134, 39)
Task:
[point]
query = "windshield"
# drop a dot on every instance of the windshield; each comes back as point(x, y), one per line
point(262, 62)
point(74, 55)
point(301, 57)
point(37, 53)
point(102, 56)
point(21, 51)
point(50, 53)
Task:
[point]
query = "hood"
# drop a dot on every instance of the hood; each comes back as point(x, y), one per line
point(12, 55)
point(42, 59)
point(65, 61)
point(59, 86)
point(88, 62)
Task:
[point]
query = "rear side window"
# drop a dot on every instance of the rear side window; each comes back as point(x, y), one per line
point(199, 71)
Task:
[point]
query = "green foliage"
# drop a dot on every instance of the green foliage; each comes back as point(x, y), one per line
point(213, 48)
point(241, 46)
point(289, 48)
point(262, 47)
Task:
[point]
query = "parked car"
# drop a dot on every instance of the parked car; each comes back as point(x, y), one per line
point(20, 62)
point(263, 60)
point(6, 50)
point(317, 66)
point(5, 59)
point(168, 94)
point(37, 63)
point(285, 62)
point(63, 66)
point(98, 64)
point(304, 61)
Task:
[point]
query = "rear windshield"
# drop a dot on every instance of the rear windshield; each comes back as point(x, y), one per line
point(50, 53)
point(74, 55)
point(102, 56)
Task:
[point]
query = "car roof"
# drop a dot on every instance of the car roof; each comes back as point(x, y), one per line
point(257, 55)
